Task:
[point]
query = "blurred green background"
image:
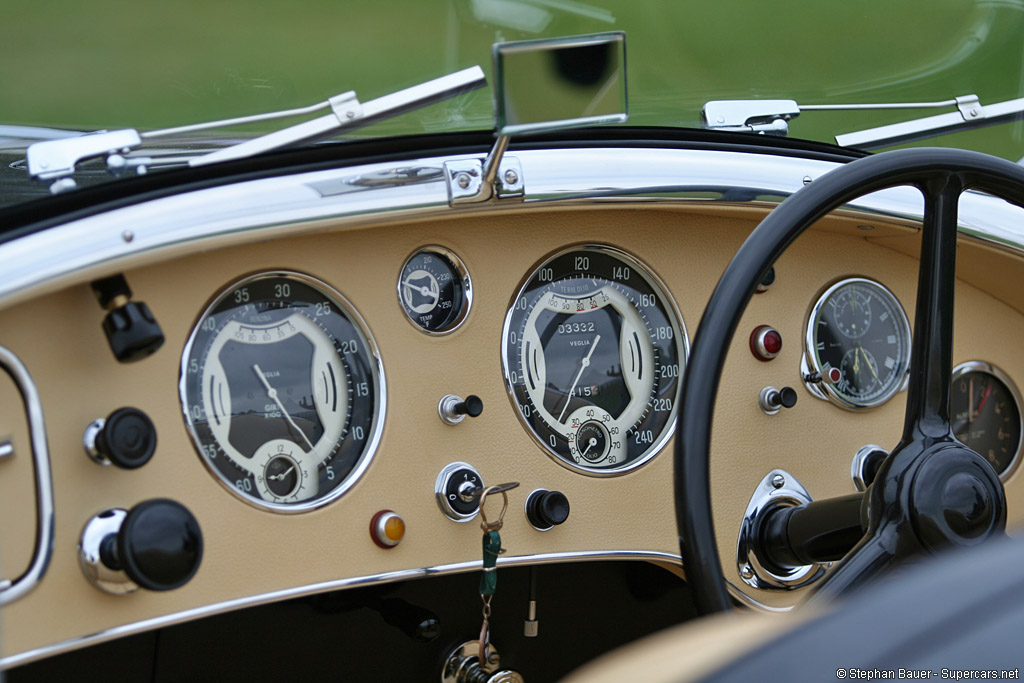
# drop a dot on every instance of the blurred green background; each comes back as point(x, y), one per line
point(150, 64)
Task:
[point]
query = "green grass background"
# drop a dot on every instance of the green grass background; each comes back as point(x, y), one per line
point(149, 64)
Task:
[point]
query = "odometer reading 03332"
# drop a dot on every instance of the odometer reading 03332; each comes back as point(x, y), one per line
point(593, 354)
point(283, 391)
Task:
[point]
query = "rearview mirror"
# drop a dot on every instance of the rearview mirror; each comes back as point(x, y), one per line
point(560, 83)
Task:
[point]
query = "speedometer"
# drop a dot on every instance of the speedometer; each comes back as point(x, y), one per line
point(283, 391)
point(593, 353)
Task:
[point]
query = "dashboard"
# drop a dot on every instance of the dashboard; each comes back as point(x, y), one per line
point(300, 392)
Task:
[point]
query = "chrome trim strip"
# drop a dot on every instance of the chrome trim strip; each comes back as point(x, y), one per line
point(323, 587)
point(12, 590)
point(273, 207)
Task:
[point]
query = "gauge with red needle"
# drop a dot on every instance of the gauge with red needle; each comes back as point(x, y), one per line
point(986, 414)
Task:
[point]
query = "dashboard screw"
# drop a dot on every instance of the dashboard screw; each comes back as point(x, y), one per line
point(127, 235)
point(463, 180)
point(778, 481)
point(511, 177)
point(746, 572)
point(807, 180)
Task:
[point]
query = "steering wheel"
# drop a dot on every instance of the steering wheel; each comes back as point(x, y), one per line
point(932, 491)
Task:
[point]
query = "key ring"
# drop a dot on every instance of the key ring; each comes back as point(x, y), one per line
point(493, 526)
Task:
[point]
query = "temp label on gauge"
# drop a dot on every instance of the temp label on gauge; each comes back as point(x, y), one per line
point(593, 353)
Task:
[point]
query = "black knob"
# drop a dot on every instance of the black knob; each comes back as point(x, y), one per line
point(472, 406)
point(132, 331)
point(159, 545)
point(127, 439)
point(546, 509)
point(783, 398)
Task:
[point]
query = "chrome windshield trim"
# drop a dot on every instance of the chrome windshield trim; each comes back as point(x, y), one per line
point(323, 587)
point(295, 204)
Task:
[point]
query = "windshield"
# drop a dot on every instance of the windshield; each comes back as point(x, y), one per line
point(110, 64)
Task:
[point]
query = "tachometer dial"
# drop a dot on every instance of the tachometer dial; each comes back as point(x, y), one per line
point(987, 414)
point(435, 290)
point(283, 391)
point(593, 352)
point(859, 327)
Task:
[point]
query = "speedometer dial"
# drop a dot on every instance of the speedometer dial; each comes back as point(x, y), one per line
point(858, 327)
point(282, 391)
point(593, 352)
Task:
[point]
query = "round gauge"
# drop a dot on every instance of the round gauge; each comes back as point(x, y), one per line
point(859, 327)
point(987, 414)
point(434, 290)
point(283, 391)
point(593, 353)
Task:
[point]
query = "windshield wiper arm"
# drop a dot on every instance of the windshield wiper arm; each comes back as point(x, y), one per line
point(771, 117)
point(56, 160)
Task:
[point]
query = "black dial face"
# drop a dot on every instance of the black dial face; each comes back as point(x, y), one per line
point(593, 351)
point(434, 290)
point(986, 414)
point(859, 327)
point(282, 391)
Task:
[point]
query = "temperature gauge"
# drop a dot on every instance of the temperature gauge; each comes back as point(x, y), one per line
point(434, 290)
point(986, 414)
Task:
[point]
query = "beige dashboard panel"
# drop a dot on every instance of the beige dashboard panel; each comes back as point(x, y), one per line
point(252, 553)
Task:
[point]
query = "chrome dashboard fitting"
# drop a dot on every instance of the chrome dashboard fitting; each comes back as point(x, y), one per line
point(453, 409)
point(93, 430)
point(765, 342)
point(108, 580)
point(463, 666)
point(457, 491)
point(768, 495)
point(772, 400)
point(6, 449)
point(864, 467)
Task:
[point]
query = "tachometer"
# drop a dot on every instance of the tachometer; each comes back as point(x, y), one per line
point(858, 327)
point(283, 391)
point(987, 414)
point(593, 352)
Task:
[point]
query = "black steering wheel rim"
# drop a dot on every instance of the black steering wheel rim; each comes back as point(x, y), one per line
point(941, 175)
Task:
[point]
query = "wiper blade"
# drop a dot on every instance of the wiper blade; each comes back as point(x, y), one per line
point(771, 117)
point(56, 160)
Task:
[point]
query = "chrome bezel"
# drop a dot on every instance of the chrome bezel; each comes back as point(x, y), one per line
point(814, 364)
point(995, 371)
point(464, 279)
point(682, 349)
point(376, 370)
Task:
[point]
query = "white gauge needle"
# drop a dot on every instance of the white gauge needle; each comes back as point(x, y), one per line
point(282, 475)
point(583, 366)
point(424, 290)
point(272, 393)
point(590, 444)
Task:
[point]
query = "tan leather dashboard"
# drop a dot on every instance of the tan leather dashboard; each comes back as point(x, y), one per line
point(251, 552)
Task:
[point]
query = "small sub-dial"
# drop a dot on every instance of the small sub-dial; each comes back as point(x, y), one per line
point(860, 366)
point(281, 473)
point(434, 290)
point(591, 440)
point(852, 311)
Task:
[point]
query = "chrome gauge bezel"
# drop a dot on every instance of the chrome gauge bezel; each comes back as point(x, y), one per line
point(813, 364)
point(465, 282)
point(374, 364)
point(982, 366)
point(682, 345)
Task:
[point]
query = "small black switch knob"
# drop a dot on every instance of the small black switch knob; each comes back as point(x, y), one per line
point(159, 545)
point(472, 406)
point(126, 438)
point(131, 329)
point(772, 400)
point(546, 509)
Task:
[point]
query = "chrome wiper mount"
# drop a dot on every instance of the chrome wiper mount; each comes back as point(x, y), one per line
point(771, 117)
point(56, 160)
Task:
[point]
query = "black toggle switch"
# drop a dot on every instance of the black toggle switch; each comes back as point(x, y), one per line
point(546, 509)
point(452, 409)
point(472, 406)
point(126, 438)
point(131, 329)
point(159, 545)
point(772, 400)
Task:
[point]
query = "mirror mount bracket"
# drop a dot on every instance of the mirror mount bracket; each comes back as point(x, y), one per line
point(496, 177)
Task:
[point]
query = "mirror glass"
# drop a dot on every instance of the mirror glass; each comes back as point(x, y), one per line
point(566, 82)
